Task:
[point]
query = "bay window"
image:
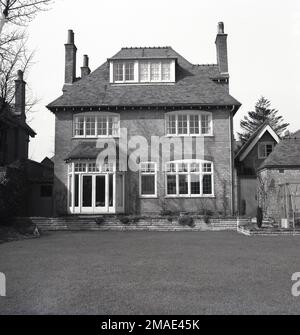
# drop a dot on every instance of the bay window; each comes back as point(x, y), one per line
point(148, 180)
point(189, 124)
point(189, 179)
point(97, 126)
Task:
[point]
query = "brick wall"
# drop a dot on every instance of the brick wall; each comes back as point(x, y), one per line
point(273, 178)
point(149, 123)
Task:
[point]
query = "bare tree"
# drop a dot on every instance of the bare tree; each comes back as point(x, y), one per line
point(14, 55)
point(20, 12)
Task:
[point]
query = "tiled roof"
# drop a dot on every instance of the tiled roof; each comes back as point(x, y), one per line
point(296, 134)
point(145, 52)
point(86, 150)
point(286, 154)
point(194, 86)
point(9, 118)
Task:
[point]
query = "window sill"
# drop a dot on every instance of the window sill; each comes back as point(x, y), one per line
point(190, 197)
point(94, 137)
point(143, 83)
point(187, 135)
point(148, 197)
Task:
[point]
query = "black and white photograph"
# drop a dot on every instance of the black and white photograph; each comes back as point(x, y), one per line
point(149, 161)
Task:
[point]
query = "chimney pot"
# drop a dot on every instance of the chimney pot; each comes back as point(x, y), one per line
point(221, 28)
point(20, 75)
point(20, 95)
point(85, 61)
point(70, 37)
point(85, 70)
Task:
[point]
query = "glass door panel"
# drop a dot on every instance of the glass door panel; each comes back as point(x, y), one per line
point(100, 191)
point(120, 192)
point(76, 190)
point(111, 190)
point(87, 191)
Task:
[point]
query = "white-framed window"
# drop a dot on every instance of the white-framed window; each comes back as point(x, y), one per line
point(148, 180)
point(189, 179)
point(143, 71)
point(123, 71)
point(155, 71)
point(91, 167)
point(165, 71)
point(265, 149)
point(90, 126)
point(187, 123)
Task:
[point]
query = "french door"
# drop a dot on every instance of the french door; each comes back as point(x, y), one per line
point(96, 194)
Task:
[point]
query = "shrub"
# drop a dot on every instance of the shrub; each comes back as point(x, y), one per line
point(170, 219)
point(186, 220)
point(125, 220)
point(166, 213)
point(205, 212)
point(135, 219)
point(206, 219)
point(259, 217)
point(99, 220)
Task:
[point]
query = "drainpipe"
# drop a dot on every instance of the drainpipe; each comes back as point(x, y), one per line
point(231, 159)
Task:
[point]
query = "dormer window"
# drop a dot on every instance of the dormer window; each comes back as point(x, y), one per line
point(142, 71)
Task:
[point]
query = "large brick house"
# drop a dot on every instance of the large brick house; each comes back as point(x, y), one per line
point(145, 92)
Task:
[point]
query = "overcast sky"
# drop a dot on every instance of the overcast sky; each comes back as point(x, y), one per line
point(263, 46)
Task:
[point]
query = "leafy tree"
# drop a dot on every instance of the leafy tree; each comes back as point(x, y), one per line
point(263, 112)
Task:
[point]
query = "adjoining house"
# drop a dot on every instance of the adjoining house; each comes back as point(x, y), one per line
point(280, 173)
point(248, 159)
point(149, 92)
point(25, 185)
point(15, 133)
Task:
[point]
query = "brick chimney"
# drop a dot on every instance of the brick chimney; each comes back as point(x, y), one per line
point(20, 95)
point(85, 70)
point(70, 65)
point(221, 43)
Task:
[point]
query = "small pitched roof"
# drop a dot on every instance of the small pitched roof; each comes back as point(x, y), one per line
point(286, 154)
point(254, 138)
point(194, 86)
point(85, 150)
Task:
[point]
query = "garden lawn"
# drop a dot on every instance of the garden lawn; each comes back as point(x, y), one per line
point(150, 273)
